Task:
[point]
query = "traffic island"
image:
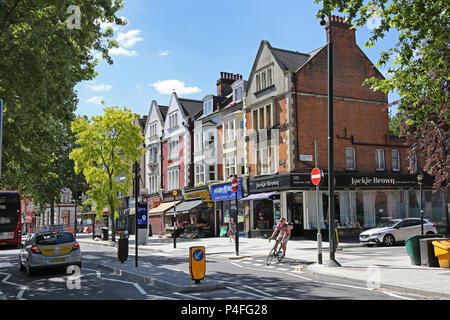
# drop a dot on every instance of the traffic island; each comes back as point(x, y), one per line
point(173, 280)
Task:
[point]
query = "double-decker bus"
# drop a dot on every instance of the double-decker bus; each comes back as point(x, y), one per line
point(10, 218)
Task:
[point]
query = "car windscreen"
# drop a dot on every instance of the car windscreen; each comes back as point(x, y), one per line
point(54, 238)
point(388, 224)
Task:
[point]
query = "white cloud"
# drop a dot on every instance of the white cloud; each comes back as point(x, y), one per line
point(95, 100)
point(100, 87)
point(123, 52)
point(168, 86)
point(129, 39)
point(164, 53)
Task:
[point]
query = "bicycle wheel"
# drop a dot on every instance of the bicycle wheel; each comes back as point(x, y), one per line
point(280, 255)
point(270, 257)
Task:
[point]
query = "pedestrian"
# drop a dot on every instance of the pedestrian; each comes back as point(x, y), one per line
point(231, 229)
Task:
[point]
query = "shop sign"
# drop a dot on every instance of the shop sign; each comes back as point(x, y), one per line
point(168, 196)
point(381, 180)
point(225, 192)
point(269, 184)
point(204, 195)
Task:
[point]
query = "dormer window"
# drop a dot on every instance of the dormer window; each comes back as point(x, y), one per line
point(237, 95)
point(208, 107)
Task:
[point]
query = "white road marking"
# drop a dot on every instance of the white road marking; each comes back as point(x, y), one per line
point(251, 288)
point(20, 294)
point(6, 265)
point(139, 288)
point(88, 257)
point(188, 296)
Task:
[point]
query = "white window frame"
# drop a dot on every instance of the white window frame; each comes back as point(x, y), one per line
point(264, 113)
point(264, 79)
point(173, 149)
point(152, 129)
point(199, 173)
point(153, 184)
point(173, 120)
point(395, 168)
point(380, 160)
point(353, 159)
point(173, 178)
point(229, 165)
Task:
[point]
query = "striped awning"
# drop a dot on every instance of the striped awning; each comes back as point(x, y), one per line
point(163, 207)
point(185, 207)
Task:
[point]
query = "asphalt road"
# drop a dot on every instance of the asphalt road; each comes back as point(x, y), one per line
point(246, 279)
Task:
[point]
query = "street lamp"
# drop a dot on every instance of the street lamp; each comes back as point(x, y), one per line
point(332, 262)
point(419, 181)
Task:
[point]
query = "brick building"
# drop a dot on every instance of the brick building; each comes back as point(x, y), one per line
point(286, 112)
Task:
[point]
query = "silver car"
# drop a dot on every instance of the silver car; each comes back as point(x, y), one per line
point(397, 230)
point(48, 250)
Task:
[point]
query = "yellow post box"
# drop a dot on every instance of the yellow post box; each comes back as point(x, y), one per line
point(197, 263)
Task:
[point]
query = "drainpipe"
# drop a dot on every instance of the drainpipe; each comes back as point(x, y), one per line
point(297, 152)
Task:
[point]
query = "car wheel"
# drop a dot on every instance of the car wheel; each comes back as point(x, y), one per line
point(388, 240)
point(430, 232)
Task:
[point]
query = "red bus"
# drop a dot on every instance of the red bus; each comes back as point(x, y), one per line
point(10, 218)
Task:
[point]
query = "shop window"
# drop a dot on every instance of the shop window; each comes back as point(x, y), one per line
point(263, 214)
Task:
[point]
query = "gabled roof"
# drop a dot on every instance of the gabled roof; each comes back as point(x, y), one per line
point(289, 60)
point(163, 110)
point(191, 107)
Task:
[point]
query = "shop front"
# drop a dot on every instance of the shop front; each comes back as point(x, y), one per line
point(154, 221)
point(157, 215)
point(362, 201)
point(224, 199)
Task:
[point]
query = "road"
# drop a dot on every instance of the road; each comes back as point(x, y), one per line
point(246, 279)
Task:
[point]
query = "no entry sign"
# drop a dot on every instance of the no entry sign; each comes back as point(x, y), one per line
point(234, 184)
point(315, 176)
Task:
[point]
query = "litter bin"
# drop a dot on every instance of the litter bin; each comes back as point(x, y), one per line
point(122, 250)
point(105, 235)
point(412, 246)
point(442, 252)
point(427, 257)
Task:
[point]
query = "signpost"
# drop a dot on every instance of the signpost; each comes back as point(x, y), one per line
point(316, 176)
point(235, 186)
point(174, 193)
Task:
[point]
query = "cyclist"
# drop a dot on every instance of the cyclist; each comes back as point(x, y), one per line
point(283, 236)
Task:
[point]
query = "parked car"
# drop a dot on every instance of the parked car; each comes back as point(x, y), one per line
point(49, 250)
point(397, 230)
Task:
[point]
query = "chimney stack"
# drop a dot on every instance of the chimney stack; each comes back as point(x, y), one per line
point(340, 30)
point(225, 82)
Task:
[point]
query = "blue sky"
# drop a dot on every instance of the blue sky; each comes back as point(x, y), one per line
point(190, 42)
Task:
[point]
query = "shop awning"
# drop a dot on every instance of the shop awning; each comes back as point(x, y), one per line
point(163, 207)
point(185, 207)
point(263, 195)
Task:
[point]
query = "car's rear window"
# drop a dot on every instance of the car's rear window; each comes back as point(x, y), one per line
point(54, 238)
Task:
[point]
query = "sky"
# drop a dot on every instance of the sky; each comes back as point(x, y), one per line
point(184, 45)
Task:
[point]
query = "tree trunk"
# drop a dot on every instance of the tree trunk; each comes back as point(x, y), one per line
point(113, 226)
point(52, 212)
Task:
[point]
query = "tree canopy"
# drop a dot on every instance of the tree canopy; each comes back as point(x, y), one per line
point(42, 60)
point(420, 70)
point(107, 147)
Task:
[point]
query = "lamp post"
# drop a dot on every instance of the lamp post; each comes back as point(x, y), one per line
point(332, 261)
point(136, 191)
point(419, 181)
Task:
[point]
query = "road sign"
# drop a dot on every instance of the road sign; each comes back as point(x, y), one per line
point(315, 176)
point(197, 263)
point(235, 184)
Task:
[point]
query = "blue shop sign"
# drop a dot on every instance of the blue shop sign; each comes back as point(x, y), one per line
point(224, 192)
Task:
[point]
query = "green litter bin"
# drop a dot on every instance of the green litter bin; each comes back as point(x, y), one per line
point(412, 245)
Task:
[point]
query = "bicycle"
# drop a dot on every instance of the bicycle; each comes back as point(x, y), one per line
point(279, 253)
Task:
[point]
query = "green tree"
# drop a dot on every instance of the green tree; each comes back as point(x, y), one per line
point(108, 146)
point(419, 73)
point(42, 60)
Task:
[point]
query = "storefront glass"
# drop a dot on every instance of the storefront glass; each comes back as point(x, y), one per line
point(263, 215)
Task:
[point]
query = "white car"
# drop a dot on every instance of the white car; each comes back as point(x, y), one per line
point(397, 230)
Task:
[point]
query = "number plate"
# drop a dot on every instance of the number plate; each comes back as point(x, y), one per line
point(56, 260)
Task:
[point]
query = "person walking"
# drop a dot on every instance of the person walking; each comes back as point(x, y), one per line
point(231, 229)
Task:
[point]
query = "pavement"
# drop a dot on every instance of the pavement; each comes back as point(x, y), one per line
point(374, 270)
